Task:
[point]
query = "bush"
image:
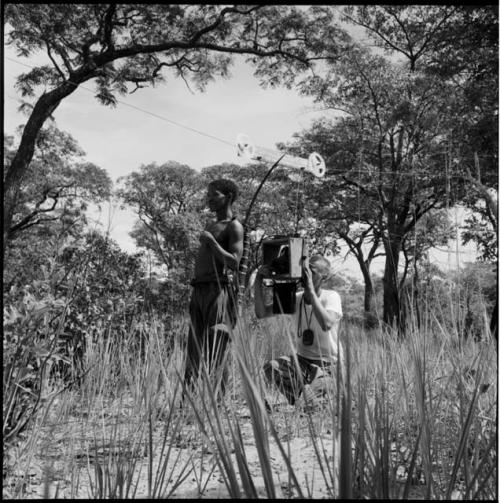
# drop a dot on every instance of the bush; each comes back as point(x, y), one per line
point(84, 290)
point(31, 347)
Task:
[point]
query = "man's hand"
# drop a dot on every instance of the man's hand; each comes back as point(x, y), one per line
point(307, 280)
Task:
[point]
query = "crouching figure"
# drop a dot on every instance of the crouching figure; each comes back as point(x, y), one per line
point(314, 370)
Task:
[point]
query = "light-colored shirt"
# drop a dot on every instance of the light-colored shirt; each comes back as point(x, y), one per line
point(325, 345)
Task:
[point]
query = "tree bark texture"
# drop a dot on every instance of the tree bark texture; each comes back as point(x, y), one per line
point(368, 295)
point(43, 109)
point(392, 308)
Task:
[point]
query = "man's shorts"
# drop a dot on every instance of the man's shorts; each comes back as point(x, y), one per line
point(212, 305)
point(291, 374)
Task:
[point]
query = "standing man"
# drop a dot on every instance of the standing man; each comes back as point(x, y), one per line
point(312, 370)
point(212, 308)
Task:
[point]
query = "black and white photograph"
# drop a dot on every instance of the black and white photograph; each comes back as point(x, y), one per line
point(250, 251)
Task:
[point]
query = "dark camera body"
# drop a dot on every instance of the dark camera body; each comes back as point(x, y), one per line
point(283, 255)
point(280, 265)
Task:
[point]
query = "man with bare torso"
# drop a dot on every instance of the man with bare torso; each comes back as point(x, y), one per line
point(212, 308)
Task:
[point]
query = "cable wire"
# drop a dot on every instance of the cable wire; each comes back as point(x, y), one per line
point(374, 172)
point(161, 117)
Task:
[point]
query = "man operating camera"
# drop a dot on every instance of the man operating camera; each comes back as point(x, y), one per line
point(312, 369)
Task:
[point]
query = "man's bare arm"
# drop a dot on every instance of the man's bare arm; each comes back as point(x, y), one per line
point(326, 318)
point(232, 256)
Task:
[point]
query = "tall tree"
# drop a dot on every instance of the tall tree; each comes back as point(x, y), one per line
point(459, 45)
point(401, 117)
point(124, 46)
point(167, 199)
point(386, 154)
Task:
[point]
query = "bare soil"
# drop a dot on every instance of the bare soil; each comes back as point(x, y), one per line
point(68, 454)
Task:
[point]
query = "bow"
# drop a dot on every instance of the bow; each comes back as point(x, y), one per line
point(314, 164)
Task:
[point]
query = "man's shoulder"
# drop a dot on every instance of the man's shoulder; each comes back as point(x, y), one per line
point(235, 225)
point(331, 295)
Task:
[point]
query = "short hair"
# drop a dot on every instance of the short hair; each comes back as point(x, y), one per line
point(321, 265)
point(226, 186)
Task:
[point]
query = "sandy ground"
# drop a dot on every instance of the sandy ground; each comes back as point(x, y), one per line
point(68, 454)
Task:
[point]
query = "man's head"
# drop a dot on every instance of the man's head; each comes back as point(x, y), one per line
point(320, 267)
point(224, 186)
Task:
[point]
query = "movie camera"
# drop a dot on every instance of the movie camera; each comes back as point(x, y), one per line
point(283, 256)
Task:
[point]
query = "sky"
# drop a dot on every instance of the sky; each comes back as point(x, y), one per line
point(141, 130)
point(138, 131)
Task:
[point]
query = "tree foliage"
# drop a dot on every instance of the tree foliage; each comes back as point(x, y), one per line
point(396, 149)
point(472, 290)
point(65, 297)
point(167, 199)
point(130, 44)
point(459, 45)
point(478, 229)
point(385, 157)
point(59, 185)
point(103, 286)
point(124, 47)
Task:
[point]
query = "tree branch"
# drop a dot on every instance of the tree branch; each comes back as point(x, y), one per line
point(433, 32)
point(64, 56)
point(407, 265)
point(165, 259)
point(23, 224)
point(49, 52)
point(490, 195)
point(418, 215)
point(17, 228)
point(112, 55)
point(377, 32)
point(194, 39)
point(107, 26)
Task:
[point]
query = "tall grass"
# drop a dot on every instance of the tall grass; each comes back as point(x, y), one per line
point(414, 417)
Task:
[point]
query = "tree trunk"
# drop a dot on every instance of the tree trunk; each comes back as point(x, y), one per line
point(368, 297)
point(43, 109)
point(416, 292)
point(392, 309)
point(368, 314)
point(370, 317)
point(364, 265)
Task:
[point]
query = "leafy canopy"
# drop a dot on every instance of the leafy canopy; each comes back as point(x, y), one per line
point(59, 184)
point(126, 46)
